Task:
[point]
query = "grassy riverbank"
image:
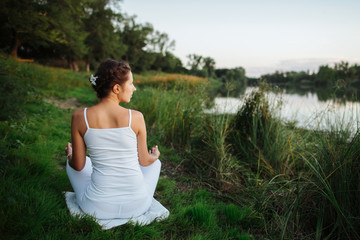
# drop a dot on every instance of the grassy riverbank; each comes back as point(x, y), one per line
point(247, 176)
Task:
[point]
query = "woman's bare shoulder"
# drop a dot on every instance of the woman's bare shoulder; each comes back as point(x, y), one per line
point(137, 114)
point(78, 121)
point(138, 120)
point(78, 114)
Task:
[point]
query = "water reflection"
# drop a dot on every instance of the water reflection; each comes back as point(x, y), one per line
point(306, 110)
point(338, 93)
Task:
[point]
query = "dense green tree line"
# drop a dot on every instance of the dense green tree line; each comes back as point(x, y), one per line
point(341, 82)
point(341, 74)
point(89, 31)
point(82, 30)
point(287, 78)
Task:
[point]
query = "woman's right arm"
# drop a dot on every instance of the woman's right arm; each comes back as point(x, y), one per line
point(78, 155)
point(145, 157)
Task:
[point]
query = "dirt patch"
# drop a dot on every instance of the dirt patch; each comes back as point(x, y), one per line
point(70, 103)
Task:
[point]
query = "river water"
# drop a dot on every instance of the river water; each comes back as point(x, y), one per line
point(307, 111)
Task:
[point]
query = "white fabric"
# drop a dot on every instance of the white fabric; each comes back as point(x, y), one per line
point(156, 212)
point(112, 186)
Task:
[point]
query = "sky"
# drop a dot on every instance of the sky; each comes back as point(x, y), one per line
point(261, 36)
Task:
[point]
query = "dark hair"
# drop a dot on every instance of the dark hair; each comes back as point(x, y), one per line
point(109, 73)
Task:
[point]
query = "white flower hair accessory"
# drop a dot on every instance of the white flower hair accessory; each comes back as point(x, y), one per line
point(93, 80)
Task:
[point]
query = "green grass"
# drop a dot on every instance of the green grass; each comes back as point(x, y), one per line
point(32, 166)
point(246, 176)
point(33, 179)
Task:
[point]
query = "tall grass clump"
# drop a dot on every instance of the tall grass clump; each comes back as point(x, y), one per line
point(258, 139)
point(321, 201)
point(216, 159)
point(334, 186)
point(260, 162)
point(169, 80)
point(299, 180)
point(174, 115)
point(314, 194)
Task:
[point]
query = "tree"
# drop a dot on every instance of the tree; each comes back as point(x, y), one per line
point(102, 40)
point(325, 76)
point(135, 37)
point(233, 80)
point(28, 22)
point(194, 62)
point(170, 63)
point(201, 66)
point(160, 44)
point(82, 30)
point(208, 66)
point(68, 20)
point(355, 74)
point(342, 69)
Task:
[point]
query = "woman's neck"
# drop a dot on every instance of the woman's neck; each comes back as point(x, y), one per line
point(110, 100)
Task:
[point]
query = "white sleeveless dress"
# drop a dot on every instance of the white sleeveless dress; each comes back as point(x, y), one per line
point(112, 184)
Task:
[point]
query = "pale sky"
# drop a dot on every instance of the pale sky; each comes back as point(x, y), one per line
point(260, 35)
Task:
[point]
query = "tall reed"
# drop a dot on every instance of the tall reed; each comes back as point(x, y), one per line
point(334, 170)
point(174, 115)
point(307, 183)
point(258, 139)
point(216, 154)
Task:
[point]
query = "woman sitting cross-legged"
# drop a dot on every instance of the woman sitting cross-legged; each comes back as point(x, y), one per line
point(119, 178)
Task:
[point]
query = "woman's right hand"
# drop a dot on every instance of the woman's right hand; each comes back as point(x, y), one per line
point(68, 151)
point(154, 152)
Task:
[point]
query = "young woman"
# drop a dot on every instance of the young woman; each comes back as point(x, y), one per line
point(119, 178)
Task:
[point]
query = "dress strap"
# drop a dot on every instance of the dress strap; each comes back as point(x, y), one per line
point(87, 124)
point(129, 117)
